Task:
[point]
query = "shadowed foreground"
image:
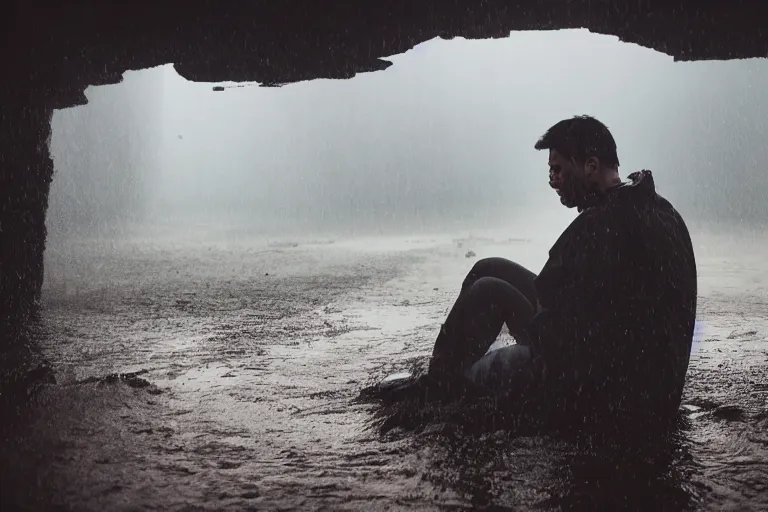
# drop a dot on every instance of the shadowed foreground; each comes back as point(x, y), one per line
point(227, 374)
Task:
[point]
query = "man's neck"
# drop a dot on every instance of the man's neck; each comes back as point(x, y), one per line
point(609, 180)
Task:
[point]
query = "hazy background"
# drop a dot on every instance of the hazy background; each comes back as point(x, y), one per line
point(440, 141)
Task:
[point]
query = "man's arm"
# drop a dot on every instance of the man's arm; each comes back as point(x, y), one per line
point(581, 335)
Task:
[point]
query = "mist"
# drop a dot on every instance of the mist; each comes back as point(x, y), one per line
point(106, 156)
point(441, 141)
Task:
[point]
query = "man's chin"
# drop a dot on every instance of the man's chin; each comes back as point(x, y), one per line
point(567, 203)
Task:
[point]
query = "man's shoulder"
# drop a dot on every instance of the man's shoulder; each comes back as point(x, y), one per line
point(653, 208)
point(664, 216)
point(635, 225)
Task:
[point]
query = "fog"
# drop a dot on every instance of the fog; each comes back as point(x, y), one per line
point(441, 141)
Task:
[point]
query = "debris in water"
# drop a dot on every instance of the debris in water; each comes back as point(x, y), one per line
point(132, 379)
point(729, 413)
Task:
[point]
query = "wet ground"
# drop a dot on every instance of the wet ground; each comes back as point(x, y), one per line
point(242, 360)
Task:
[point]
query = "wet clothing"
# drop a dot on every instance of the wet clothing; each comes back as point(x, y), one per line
point(496, 291)
point(617, 305)
point(506, 369)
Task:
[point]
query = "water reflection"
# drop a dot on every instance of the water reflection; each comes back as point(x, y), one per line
point(492, 463)
point(653, 475)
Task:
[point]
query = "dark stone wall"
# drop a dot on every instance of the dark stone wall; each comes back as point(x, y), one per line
point(26, 170)
point(53, 50)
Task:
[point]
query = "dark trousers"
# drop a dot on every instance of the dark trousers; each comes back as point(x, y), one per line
point(496, 291)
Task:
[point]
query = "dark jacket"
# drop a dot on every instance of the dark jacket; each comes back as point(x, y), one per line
point(618, 299)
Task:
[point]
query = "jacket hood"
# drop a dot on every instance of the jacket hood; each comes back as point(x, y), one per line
point(640, 185)
point(638, 189)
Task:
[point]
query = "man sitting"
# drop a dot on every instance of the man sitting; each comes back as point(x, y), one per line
point(608, 322)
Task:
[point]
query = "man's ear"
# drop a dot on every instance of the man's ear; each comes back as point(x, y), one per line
point(592, 167)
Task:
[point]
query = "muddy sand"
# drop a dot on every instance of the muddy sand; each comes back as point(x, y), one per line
point(242, 361)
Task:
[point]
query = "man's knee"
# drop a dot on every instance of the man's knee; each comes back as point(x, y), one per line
point(486, 267)
point(488, 289)
point(492, 295)
point(506, 270)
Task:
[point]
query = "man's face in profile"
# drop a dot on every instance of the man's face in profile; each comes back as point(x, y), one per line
point(567, 178)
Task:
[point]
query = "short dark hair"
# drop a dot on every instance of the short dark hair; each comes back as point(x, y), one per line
point(581, 137)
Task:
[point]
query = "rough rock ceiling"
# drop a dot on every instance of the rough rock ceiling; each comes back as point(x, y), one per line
point(56, 50)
